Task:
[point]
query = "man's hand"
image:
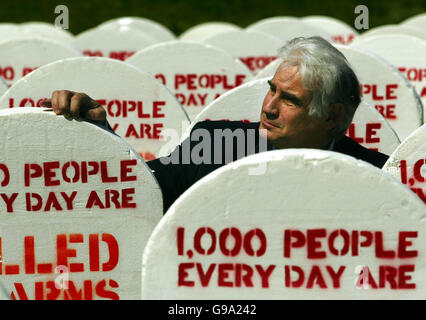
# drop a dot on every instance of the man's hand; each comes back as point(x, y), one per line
point(75, 105)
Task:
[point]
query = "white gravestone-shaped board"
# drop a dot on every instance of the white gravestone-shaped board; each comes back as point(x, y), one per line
point(197, 73)
point(394, 29)
point(408, 162)
point(382, 86)
point(239, 235)
point(418, 21)
point(76, 198)
point(149, 27)
point(255, 49)
point(339, 31)
point(138, 106)
point(287, 28)
point(244, 103)
point(18, 57)
point(46, 30)
point(120, 43)
point(205, 30)
point(407, 53)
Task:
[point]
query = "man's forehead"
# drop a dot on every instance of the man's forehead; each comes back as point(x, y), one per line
point(287, 72)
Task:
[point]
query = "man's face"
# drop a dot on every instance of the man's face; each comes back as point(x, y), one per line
point(285, 113)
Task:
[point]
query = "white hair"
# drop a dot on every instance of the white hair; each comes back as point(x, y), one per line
point(326, 72)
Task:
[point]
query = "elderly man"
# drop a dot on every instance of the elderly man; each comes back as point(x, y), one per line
point(310, 104)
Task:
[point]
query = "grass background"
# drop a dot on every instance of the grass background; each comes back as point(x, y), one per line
point(181, 15)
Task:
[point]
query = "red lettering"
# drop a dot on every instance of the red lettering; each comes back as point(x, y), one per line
point(9, 200)
point(94, 252)
point(127, 198)
point(265, 274)
point(335, 276)
point(313, 244)
point(125, 170)
point(180, 237)
point(346, 241)
point(183, 274)
point(104, 173)
point(157, 109)
point(197, 241)
point(248, 248)
point(113, 251)
point(31, 170)
point(8, 73)
point(29, 255)
point(403, 243)
point(316, 277)
point(103, 293)
point(236, 234)
point(205, 277)
point(288, 244)
point(300, 280)
point(380, 252)
point(403, 277)
point(351, 134)
point(223, 275)
point(417, 174)
point(371, 131)
point(62, 250)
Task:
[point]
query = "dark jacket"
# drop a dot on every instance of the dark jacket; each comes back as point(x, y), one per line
point(178, 175)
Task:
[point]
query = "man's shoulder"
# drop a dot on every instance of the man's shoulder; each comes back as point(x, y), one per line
point(223, 124)
point(350, 147)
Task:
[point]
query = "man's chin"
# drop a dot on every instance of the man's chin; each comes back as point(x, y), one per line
point(264, 132)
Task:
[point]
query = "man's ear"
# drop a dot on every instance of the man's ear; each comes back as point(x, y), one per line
point(335, 115)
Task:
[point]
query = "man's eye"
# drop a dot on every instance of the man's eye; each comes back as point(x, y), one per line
point(289, 103)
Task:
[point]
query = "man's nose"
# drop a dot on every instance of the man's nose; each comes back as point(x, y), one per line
point(271, 106)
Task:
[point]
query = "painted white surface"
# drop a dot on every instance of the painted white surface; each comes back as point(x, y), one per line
point(147, 26)
point(70, 180)
point(202, 31)
point(418, 20)
point(118, 43)
point(18, 57)
point(35, 30)
point(3, 86)
point(407, 162)
point(197, 73)
point(340, 193)
point(287, 28)
point(395, 29)
point(139, 108)
point(340, 31)
point(407, 53)
point(255, 49)
point(47, 30)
